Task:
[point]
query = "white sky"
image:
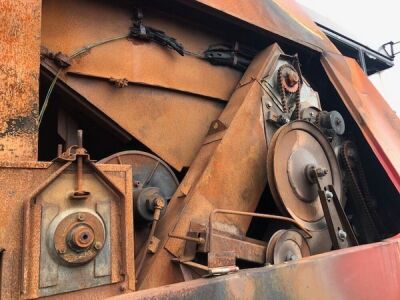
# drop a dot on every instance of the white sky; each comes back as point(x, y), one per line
point(372, 23)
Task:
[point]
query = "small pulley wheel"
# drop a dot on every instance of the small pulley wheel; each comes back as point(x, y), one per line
point(286, 245)
point(294, 148)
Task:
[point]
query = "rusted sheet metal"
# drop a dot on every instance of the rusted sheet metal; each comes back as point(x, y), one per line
point(172, 124)
point(69, 26)
point(248, 250)
point(173, 121)
point(232, 177)
point(363, 272)
point(19, 179)
point(19, 70)
point(377, 121)
point(285, 18)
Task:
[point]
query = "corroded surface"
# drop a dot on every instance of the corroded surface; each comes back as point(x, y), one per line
point(282, 17)
point(343, 274)
point(19, 70)
point(218, 173)
point(377, 121)
point(18, 181)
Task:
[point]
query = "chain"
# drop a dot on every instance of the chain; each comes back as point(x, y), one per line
point(359, 189)
point(298, 104)
point(282, 89)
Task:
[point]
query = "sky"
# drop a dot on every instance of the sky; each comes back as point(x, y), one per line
point(372, 23)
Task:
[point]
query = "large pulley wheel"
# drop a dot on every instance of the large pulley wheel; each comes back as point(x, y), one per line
point(148, 171)
point(294, 148)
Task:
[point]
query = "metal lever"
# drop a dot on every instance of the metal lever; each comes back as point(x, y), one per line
point(339, 227)
point(79, 193)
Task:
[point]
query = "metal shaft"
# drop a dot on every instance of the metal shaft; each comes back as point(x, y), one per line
point(79, 164)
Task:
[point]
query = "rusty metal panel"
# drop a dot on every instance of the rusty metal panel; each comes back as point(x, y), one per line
point(69, 26)
point(285, 18)
point(363, 272)
point(237, 157)
point(376, 120)
point(170, 100)
point(19, 72)
point(172, 124)
point(19, 179)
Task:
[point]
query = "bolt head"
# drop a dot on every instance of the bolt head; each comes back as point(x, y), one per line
point(328, 195)
point(342, 234)
point(81, 217)
point(159, 202)
point(122, 287)
point(61, 251)
point(269, 105)
point(97, 245)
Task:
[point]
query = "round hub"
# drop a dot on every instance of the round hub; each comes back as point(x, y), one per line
point(81, 237)
point(78, 237)
point(286, 245)
point(297, 166)
point(145, 202)
point(293, 148)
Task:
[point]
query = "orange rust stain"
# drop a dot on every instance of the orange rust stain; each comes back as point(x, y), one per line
point(19, 76)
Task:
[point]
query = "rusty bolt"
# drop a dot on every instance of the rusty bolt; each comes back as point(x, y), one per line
point(61, 251)
point(321, 172)
point(159, 203)
point(122, 287)
point(81, 217)
point(97, 245)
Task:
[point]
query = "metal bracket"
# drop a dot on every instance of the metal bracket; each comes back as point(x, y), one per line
point(339, 227)
point(391, 52)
